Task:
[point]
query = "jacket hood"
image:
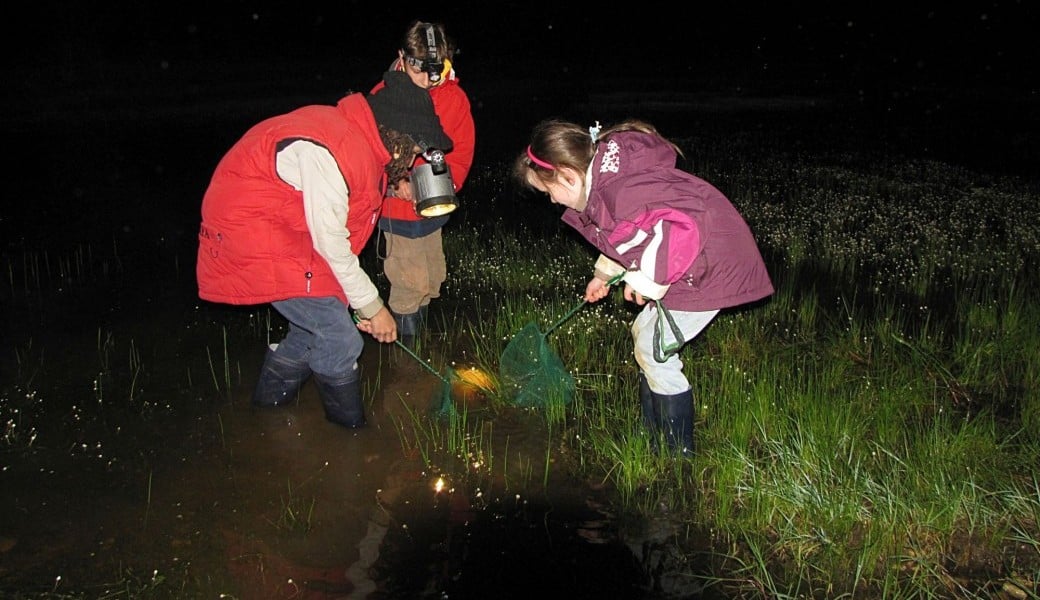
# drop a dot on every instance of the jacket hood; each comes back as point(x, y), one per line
point(627, 153)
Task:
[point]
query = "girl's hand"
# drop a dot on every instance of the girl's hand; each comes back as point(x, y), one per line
point(596, 290)
point(634, 296)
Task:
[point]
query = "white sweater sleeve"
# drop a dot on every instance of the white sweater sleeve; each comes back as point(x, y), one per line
point(310, 168)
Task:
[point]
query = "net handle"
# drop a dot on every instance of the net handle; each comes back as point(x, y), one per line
point(578, 306)
point(422, 362)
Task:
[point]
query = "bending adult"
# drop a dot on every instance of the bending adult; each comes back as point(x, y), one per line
point(288, 210)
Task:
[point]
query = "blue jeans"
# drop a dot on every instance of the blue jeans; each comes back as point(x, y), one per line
point(322, 335)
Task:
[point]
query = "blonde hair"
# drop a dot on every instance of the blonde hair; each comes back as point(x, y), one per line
point(556, 143)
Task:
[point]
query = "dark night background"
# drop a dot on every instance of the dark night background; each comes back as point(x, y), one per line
point(74, 60)
point(116, 113)
point(105, 102)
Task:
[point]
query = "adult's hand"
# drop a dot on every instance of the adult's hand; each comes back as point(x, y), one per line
point(381, 326)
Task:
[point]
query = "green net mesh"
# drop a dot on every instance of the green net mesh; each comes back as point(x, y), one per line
point(445, 405)
point(531, 374)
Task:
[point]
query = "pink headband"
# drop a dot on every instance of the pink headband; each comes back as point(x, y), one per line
point(541, 163)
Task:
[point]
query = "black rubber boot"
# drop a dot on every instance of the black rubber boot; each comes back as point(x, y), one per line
point(280, 380)
point(646, 404)
point(409, 327)
point(342, 400)
point(675, 418)
point(424, 314)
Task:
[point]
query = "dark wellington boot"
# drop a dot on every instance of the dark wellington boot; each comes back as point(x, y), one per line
point(409, 327)
point(280, 380)
point(424, 317)
point(646, 405)
point(342, 400)
point(675, 418)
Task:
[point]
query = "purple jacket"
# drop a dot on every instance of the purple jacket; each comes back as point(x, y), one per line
point(679, 239)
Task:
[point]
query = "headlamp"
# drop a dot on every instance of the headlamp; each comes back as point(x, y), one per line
point(432, 66)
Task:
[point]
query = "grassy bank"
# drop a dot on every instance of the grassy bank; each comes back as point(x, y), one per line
point(869, 431)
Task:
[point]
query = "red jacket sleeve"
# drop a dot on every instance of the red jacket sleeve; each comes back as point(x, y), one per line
point(453, 107)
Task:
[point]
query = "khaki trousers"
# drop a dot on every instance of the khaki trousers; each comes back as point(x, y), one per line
point(416, 268)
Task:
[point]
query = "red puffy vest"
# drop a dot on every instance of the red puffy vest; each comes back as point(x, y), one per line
point(254, 245)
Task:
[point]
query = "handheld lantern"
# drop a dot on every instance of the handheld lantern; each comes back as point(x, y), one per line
point(433, 187)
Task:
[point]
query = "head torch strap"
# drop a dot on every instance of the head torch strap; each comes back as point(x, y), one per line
point(434, 62)
point(431, 41)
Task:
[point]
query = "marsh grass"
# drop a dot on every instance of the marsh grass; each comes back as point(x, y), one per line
point(869, 430)
point(297, 511)
point(452, 442)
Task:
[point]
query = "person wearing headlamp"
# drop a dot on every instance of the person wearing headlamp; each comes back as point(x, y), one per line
point(414, 261)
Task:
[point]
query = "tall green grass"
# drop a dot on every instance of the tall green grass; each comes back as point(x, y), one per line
point(870, 430)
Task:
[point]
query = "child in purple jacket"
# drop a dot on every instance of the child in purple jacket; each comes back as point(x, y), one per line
point(678, 240)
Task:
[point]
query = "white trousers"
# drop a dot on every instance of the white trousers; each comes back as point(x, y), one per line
point(665, 377)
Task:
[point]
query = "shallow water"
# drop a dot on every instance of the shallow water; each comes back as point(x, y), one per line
point(157, 466)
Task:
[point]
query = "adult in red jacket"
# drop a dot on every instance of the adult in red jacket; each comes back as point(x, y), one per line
point(286, 213)
point(414, 262)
